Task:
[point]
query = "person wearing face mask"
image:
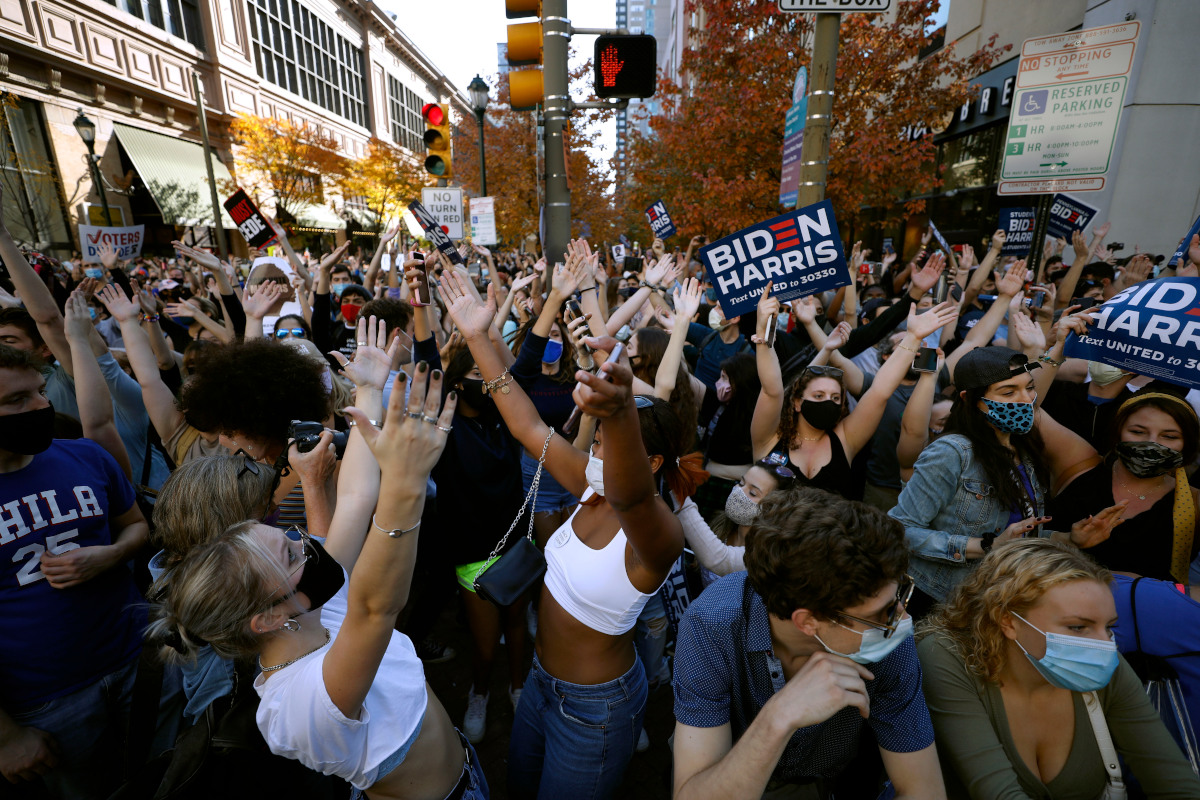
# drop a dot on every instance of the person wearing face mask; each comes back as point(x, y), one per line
point(986, 479)
point(1153, 436)
point(1028, 694)
point(1087, 409)
point(715, 342)
point(778, 668)
point(726, 415)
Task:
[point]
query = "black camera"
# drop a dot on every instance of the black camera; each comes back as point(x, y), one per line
point(308, 434)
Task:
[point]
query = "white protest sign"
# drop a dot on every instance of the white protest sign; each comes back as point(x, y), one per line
point(281, 263)
point(483, 220)
point(127, 241)
point(445, 205)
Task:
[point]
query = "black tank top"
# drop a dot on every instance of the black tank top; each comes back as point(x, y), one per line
point(833, 477)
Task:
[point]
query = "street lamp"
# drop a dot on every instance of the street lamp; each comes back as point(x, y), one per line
point(87, 132)
point(478, 90)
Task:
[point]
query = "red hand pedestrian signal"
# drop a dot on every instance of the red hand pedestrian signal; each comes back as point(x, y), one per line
point(610, 65)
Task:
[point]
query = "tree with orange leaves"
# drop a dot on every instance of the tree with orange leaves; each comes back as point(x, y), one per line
point(385, 180)
point(715, 153)
point(283, 160)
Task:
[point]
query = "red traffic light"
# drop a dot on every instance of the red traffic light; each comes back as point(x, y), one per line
point(433, 114)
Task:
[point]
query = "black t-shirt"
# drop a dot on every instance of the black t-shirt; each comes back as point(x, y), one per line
point(884, 467)
point(1069, 404)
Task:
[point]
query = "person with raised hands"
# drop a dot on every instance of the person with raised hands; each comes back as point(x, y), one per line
point(580, 715)
point(340, 691)
point(807, 424)
point(229, 300)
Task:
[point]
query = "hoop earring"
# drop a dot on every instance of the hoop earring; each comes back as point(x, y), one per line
point(291, 625)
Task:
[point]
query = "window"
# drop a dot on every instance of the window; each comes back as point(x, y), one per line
point(405, 108)
point(650, 21)
point(33, 208)
point(177, 17)
point(297, 51)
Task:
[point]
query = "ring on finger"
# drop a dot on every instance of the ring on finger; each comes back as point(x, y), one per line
point(429, 419)
point(415, 414)
point(361, 343)
point(445, 428)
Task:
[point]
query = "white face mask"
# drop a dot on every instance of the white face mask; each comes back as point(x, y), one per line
point(595, 474)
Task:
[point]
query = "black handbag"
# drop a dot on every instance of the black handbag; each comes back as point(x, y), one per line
point(515, 572)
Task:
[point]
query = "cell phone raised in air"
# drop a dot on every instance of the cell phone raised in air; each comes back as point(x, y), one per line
point(772, 327)
point(420, 296)
point(943, 288)
point(926, 360)
point(1084, 303)
point(572, 422)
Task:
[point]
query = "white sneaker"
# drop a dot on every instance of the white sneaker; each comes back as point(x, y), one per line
point(643, 742)
point(475, 721)
point(515, 696)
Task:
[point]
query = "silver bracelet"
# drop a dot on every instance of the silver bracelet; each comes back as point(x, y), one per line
point(395, 533)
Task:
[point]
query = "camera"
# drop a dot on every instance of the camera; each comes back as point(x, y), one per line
point(308, 434)
point(1116, 247)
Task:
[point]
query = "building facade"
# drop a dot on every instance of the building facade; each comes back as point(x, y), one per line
point(651, 17)
point(344, 66)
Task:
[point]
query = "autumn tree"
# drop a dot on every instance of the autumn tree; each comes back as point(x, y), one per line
point(513, 166)
point(715, 152)
point(385, 180)
point(285, 161)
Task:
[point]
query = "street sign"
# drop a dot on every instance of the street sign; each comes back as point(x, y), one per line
point(483, 220)
point(793, 140)
point(1067, 109)
point(834, 6)
point(445, 204)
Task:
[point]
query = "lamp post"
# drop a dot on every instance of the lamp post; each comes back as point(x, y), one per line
point(478, 90)
point(87, 132)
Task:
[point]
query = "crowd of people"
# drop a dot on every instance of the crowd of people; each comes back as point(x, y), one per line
point(880, 541)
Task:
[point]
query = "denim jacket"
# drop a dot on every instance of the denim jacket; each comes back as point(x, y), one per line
point(948, 501)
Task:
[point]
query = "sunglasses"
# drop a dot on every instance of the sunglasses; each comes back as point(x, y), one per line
point(296, 534)
point(827, 372)
point(904, 593)
point(283, 333)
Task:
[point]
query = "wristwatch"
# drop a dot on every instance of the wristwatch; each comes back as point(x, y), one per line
point(987, 541)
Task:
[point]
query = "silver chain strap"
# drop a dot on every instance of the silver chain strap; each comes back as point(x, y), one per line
point(531, 494)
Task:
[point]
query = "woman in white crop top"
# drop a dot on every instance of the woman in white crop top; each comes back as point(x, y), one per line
point(341, 691)
point(579, 717)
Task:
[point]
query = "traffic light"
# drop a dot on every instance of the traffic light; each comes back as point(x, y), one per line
point(437, 139)
point(525, 88)
point(625, 66)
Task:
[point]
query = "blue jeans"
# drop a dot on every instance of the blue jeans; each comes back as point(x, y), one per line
point(90, 728)
point(573, 741)
point(650, 639)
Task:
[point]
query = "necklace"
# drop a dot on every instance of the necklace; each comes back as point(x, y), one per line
point(1135, 494)
point(265, 670)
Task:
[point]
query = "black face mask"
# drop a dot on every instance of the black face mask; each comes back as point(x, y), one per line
point(29, 432)
point(821, 414)
point(322, 576)
point(472, 392)
point(1148, 459)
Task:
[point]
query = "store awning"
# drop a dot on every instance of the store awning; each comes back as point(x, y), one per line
point(173, 171)
point(310, 215)
point(365, 217)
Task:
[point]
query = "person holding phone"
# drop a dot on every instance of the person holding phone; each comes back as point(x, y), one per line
point(579, 719)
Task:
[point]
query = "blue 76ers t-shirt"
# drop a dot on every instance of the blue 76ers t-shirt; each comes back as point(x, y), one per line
point(56, 641)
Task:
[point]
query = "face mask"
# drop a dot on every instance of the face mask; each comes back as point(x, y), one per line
point(1104, 374)
point(472, 392)
point(1073, 662)
point(554, 351)
point(1148, 459)
point(724, 390)
point(322, 576)
point(92, 312)
point(338, 288)
point(1010, 417)
point(350, 313)
point(740, 509)
point(821, 414)
point(29, 432)
point(595, 474)
point(93, 272)
point(874, 647)
point(715, 320)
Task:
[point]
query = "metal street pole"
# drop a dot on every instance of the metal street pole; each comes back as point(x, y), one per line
point(814, 152)
point(94, 160)
point(212, 182)
point(556, 37)
point(482, 158)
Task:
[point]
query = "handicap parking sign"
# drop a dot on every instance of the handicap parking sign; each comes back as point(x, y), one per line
point(1033, 102)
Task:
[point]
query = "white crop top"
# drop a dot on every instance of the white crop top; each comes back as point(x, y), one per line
point(299, 720)
point(592, 585)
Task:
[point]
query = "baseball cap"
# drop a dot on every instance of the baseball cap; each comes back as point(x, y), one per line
point(984, 366)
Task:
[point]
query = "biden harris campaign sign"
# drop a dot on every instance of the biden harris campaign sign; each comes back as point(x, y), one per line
point(800, 252)
point(1152, 329)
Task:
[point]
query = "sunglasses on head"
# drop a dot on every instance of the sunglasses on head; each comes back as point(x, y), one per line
point(283, 333)
point(904, 593)
point(824, 371)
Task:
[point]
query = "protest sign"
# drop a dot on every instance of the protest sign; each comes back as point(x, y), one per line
point(1152, 329)
point(282, 264)
point(435, 234)
point(941, 240)
point(1068, 215)
point(660, 220)
point(1183, 246)
point(127, 241)
point(800, 251)
point(252, 225)
point(618, 253)
point(1017, 224)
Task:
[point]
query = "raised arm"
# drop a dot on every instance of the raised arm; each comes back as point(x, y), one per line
point(654, 277)
point(914, 424)
point(377, 259)
point(36, 297)
point(827, 353)
point(981, 335)
point(687, 303)
point(258, 302)
point(95, 404)
point(764, 425)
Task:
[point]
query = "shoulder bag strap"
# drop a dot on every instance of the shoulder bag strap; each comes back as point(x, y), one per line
point(1112, 765)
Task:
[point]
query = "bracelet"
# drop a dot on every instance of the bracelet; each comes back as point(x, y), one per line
point(591, 288)
point(916, 351)
point(650, 286)
point(395, 533)
point(501, 383)
point(149, 317)
point(1046, 359)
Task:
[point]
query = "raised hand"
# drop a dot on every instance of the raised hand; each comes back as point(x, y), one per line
point(805, 309)
point(78, 321)
point(389, 234)
point(1013, 281)
point(470, 316)
point(208, 261)
point(925, 237)
point(998, 240)
point(1102, 230)
point(1137, 270)
point(768, 307)
point(89, 287)
point(657, 271)
point(839, 337)
point(328, 261)
point(927, 276)
point(941, 315)
point(521, 282)
point(184, 310)
point(144, 297)
point(606, 393)
point(967, 259)
point(372, 364)
point(1080, 246)
point(687, 300)
point(658, 248)
point(1029, 334)
point(121, 307)
point(108, 255)
point(259, 299)
point(568, 276)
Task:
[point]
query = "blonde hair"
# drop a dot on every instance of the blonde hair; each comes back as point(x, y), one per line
point(213, 593)
point(1011, 579)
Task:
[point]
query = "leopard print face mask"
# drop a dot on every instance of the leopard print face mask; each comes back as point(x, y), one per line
point(1010, 417)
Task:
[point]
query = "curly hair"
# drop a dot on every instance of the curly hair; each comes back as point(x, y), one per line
point(815, 550)
point(1011, 579)
point(789, 417)
point(255, 388)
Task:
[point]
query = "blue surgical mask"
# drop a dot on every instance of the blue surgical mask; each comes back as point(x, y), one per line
point(92, 312)
point(874, 647)
point(93, 272)
point(338, 288)
point(1010, 417)
point(554, 351)
point(1074, 662)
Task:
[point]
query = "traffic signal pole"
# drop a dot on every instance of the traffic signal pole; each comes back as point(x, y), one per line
point(556, 32)
point(814, 151)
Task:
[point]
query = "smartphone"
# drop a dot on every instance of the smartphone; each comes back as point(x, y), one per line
point(772, 327)
point(943, 288)
point(864, 268)
point(632, 264)
point(1116, 246)
point(572, 310)
point(1084, 303)
point(1036, 300)
point(926, 360)
point(572, 422)
point(420, 296)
